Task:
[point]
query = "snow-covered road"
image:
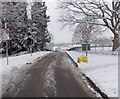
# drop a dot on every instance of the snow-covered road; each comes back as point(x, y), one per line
point(102, 69)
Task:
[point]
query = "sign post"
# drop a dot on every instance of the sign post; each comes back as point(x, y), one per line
point(31, 38)
point(5, 37)
point(7, 51)
point(86, 32)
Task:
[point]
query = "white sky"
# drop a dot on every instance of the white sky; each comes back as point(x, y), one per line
point(61, 35)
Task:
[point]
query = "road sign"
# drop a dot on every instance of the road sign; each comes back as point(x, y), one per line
point(86, 31)
point(6, 30)
point(4, 35)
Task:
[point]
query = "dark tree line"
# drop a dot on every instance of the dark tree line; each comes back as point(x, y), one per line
point(39, 24)
point(25, 33)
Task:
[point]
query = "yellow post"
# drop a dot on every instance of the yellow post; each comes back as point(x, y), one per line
point(82, 58)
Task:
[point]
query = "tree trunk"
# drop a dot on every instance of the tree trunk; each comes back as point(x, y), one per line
point(115, 42)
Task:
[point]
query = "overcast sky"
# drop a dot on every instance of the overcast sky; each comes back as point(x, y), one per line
point(61, 35)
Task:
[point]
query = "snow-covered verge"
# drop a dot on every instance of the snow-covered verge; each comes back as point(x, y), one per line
point(102, 70)
point(15, 64)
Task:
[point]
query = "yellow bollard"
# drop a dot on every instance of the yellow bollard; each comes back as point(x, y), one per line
point(78, 60)
point(82, 58)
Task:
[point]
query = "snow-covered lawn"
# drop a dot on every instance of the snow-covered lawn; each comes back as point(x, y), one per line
point(102, 69)
point(19, 61)
point(16, 62)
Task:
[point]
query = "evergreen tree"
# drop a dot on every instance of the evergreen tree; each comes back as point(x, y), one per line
point(14, 15)
point(39, 24)
point(25, 33)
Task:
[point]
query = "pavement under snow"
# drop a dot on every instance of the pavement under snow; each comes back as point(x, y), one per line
point(102, 70)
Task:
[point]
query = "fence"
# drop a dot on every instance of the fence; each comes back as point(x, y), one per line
point(98, 50)
point(103, 50)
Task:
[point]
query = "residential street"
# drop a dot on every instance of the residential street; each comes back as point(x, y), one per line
point(51, 76)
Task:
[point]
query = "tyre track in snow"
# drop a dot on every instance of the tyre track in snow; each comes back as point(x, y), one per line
point(34, 86)
point(52, 76)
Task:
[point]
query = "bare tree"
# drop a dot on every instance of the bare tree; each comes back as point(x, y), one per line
point(102, 41)
point(106, 14)
point(80, 37)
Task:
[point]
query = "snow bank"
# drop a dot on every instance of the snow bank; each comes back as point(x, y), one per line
point(15, 63)
point(19, 61)
point(102, 69)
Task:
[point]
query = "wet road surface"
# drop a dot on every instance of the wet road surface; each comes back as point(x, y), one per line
point(51, 76)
